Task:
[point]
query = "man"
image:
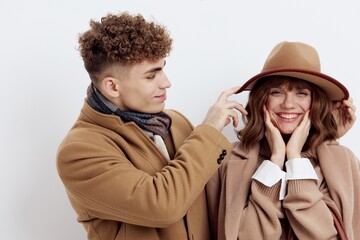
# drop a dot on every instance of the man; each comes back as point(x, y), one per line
point(130, 169)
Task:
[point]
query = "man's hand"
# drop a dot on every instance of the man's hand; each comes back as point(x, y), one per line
point(223, 111)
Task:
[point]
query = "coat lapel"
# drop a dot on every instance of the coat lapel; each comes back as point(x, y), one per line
point(341, 172)
point(240, 169)
point(179, 129)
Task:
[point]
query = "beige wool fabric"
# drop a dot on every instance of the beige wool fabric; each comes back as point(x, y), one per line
point(229, 188)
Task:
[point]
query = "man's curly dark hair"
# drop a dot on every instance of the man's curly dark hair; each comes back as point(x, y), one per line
point(124, 39)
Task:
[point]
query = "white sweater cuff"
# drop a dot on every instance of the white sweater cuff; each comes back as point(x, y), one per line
point(300, 168)
point(269, 174)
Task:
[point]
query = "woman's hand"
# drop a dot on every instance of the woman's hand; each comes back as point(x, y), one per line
point(344, 115)
point(275, 141)
point(298, 138)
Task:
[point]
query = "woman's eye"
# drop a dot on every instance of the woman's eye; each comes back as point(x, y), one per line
point(304, 93)
point(275, 92)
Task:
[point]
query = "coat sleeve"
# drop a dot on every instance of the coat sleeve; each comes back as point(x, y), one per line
point(102, 182)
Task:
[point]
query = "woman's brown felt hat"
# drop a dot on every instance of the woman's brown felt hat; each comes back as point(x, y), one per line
point(299, 60)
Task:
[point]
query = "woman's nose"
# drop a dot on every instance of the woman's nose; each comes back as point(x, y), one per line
point(288, 101)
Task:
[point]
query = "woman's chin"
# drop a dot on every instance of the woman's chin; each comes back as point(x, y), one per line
point(286, 131)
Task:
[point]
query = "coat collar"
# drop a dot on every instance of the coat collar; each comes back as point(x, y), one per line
point(128, 131)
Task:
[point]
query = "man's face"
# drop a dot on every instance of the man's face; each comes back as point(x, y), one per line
point(143, 87)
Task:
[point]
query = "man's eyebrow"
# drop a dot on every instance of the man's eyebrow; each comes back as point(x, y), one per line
point(155, 69)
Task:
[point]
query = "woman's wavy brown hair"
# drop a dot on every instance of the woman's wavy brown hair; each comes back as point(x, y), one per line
point(124, 39)
point(323, 125)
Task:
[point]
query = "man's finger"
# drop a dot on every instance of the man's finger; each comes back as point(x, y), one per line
point(227, 93)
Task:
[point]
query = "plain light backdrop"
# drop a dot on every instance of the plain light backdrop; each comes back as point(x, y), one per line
point(217, 45)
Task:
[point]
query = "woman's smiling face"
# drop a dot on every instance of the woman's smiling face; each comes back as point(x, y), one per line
point(287, 107)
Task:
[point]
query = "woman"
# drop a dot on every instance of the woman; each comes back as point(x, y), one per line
point(288, 177)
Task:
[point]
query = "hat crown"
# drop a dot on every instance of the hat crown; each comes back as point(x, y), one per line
point(298, 60)
point(294, 55)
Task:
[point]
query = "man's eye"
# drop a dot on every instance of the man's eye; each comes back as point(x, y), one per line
point(151, 76)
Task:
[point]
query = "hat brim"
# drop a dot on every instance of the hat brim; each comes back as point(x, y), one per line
point(333, 88)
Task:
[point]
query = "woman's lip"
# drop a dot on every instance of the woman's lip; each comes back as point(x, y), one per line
point(288, 116)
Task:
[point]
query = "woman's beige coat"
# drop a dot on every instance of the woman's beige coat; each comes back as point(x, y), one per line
point(122, 187)
point(228, 190)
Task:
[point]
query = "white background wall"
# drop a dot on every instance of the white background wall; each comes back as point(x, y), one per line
point(217, 45)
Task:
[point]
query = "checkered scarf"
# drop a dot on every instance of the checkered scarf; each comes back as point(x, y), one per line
point(158, 123)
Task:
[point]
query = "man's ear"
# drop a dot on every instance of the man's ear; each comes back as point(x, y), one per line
point(110, 87)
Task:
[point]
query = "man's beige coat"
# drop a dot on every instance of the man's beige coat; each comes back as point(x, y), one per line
point(122, 187)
